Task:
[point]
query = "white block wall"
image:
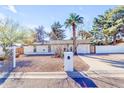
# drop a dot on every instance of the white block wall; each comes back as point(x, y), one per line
point(41, 49)
point(110, 49)
point(84, 49)
point(28, 49)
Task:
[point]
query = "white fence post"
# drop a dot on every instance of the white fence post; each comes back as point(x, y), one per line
point(14, 56)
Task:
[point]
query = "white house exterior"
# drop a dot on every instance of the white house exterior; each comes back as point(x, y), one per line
point(42, 49)
point(83, 47)
point(28, 49)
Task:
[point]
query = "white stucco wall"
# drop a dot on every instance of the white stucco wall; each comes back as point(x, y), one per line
point(55, 47)
point(110, 49)
point(42, 49)
point(28, 49)
point(84, 49)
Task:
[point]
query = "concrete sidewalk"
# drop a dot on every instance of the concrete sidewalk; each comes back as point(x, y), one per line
point(48, 79)
point(46, 75)
point(63, 75)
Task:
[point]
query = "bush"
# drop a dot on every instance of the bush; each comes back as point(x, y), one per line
point(2, 58)
point(59, 52)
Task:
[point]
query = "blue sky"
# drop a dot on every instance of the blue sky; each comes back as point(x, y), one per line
point(33, 16)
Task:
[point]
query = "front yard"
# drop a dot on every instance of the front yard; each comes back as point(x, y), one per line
point(46, 64)
point(104, 70)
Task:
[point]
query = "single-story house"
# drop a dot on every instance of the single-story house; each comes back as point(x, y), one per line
point(83, 47)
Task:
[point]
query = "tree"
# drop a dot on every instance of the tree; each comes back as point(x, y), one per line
point(57, 32)
point(29, 36)
point(110, 24)
point(40, 34)
point(73, 21)
point(10, 34)
point(84, 34)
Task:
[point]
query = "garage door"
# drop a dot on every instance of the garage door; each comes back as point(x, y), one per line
point(28, 49)
point(41, 49)
point(83, 49)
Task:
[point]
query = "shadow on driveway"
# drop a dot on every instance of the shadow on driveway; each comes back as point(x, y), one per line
point(83, 80)
point(6, 70)
point(5, 76)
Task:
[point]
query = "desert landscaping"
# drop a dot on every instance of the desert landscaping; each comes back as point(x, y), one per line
point(46, 64)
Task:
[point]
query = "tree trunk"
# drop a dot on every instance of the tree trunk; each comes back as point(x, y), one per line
point(106, 40)
point(114, 39)
point(74, 39)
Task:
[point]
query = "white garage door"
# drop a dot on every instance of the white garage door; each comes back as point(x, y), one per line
point(83, 49)
point(41, 49)
point(28, 49)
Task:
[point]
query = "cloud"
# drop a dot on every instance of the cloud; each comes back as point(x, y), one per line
point(12, 8)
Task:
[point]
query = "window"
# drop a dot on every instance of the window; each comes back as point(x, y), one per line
point(43, 49)
point(64, 49)
point(70, 48)
point(34, 48)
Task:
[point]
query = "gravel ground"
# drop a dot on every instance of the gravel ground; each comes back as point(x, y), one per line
point(46, 64)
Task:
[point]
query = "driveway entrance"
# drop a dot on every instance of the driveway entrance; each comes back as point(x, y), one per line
point(106, 70)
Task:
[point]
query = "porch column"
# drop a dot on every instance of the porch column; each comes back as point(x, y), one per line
point(49, 48)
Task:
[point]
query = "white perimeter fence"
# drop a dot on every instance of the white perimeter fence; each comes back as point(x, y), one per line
point(109, 49)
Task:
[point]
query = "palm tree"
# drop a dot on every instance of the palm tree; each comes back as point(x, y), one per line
point(73, 21)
